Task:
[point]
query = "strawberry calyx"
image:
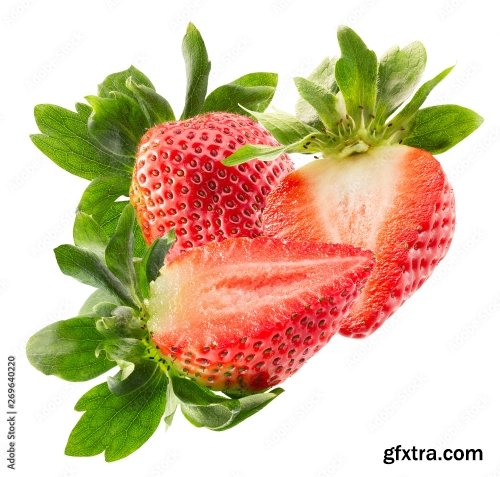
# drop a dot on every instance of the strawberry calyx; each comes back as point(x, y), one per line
point(99, 140)
point(354, 103)
point(111, 331)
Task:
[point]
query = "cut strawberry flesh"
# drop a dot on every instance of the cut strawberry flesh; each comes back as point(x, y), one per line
point(244, 314)
point(393, 200)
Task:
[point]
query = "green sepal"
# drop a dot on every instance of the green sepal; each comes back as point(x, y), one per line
point(117, 123)
point(122, 350)
point(105, 308)
point(204, 408)
point(197, 71)
point(438, 128)
point(120, 323)
point(88, 234)
point(323, 101)
point(67, 349)
point(119, 252)
point(117, 82)
point(143, 373)
point(253, 91)
point(149, 267)
point(88, 268)
point(109, 221)
point(323, 76)
point(66, 140)
point(95, 299)
point(286, 128)
point(408, 112)
point(154, 106)
point(172, 402)
point(308, 145)
point(356, 74)
point(251, 404)
point(101, 193)
point(399, 72)
point(118, 425)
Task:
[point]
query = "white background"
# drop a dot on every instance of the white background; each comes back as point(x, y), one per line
point(428, 378)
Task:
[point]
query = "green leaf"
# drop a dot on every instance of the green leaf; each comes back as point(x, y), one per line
point(155, 107)
point(155, 256)
point(67, 349)
point(212, 416)
point(287, 129)
point(171, 407)
point(438, 128)
point(248, 152)
point(120, 323)
point(105, 309)
point(140, 246)
point(101, 193)
point(97, 297)
point(398, 75)
point(65, 140)
point(117, 425)
point(197, 71)
point(204, 408)
point(409, 111)
point(252, 91)
point(356, 74)
point(323, 101)
point(117, 123)
point(143, 373)
point(109, 220)
point(153, 260)
point(88, 234)
point(323, 76)
point(250, 405)
point(88, 268)
point(122, 350)
point(120, 250)
point(309, 145)
point(117, 82)
point(190, 393)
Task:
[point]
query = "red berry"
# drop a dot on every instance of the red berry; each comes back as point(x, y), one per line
point(180, 183)
point(395, 201)
point(245, 314)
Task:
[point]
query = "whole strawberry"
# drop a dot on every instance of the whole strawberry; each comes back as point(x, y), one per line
point(179, 182)
point(128, 141)
point(375, 183)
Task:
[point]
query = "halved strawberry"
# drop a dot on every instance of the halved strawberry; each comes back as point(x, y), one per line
point(394, 200)
point(243, 314)
point(375, 183)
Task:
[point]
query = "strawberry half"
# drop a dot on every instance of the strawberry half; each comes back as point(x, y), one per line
point(179, 182)
point(242, 315)
point(237, 316)
point(394, 200)
point(375, 183)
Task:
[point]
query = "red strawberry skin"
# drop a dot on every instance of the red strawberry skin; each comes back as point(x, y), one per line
point(395, 201)
point(179, 181)
point(244, 314)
